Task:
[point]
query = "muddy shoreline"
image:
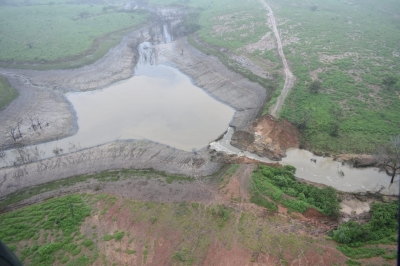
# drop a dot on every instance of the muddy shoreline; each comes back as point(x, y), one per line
point(246, 97)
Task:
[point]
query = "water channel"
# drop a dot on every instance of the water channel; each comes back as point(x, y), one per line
point(323, 170)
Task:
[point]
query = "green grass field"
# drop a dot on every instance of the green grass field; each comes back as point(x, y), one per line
point(60, 32)
point(7, 93)
point(350, 48)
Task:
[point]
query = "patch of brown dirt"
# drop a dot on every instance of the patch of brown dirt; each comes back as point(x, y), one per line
point(218, 254)
point(320, 255)
point(268, 138)
point(267, 42)
point(357, 160)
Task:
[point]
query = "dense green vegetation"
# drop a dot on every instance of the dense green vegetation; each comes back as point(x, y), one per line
point(48, 232)
point(351, 48)
point(7, 93)
point(280, 185)
point(361, 241)
point(61, 32)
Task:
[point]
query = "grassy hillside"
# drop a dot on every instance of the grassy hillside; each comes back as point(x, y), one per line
point(52, 33)
point(350, 48)
point(7, 93)
point(102, 229)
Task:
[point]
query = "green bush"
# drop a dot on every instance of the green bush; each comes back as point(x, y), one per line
point(118, 236)
point(88, 242)
point(295, 205)
point(380, 229)
point(361, 253)
point(263, 202)
point(353, 263)
point(273, 182)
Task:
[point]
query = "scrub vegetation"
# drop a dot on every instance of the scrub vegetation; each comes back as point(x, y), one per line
point(7, 93)
point(273, 185)
point(51, 233)
point(378, 237)
point(48, 233)
point(352, 50)
point(53, 34)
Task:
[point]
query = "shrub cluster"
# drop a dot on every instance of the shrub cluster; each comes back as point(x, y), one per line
point(274, 182)
point(381, 228)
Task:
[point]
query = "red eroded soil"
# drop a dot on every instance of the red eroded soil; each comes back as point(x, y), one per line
point(282, 133)
point(267, 137)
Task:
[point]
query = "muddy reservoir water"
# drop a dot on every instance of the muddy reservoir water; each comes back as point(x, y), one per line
point(159, 103)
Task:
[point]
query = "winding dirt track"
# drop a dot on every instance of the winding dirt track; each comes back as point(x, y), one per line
point(289, 78)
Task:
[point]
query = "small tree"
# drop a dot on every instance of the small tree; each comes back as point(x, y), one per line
point(389, 81)
point(315, 86)
point(388, 157)
point(304, 121)
point(18, 124)
point(338, 115)
point(12, 131)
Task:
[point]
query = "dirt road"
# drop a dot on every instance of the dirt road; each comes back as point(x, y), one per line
point(289, 78)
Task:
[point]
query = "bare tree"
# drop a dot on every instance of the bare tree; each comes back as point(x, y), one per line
point(32, 122)
point(12, 131)
point(388, 157)
point(27, 155)
point(39, 121)
point(19, 123)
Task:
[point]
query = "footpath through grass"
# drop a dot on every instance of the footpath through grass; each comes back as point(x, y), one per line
point(7, 93)
point(54, 33)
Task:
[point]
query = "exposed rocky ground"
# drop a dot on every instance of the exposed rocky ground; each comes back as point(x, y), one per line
point(357, 160)
point(267, 137)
